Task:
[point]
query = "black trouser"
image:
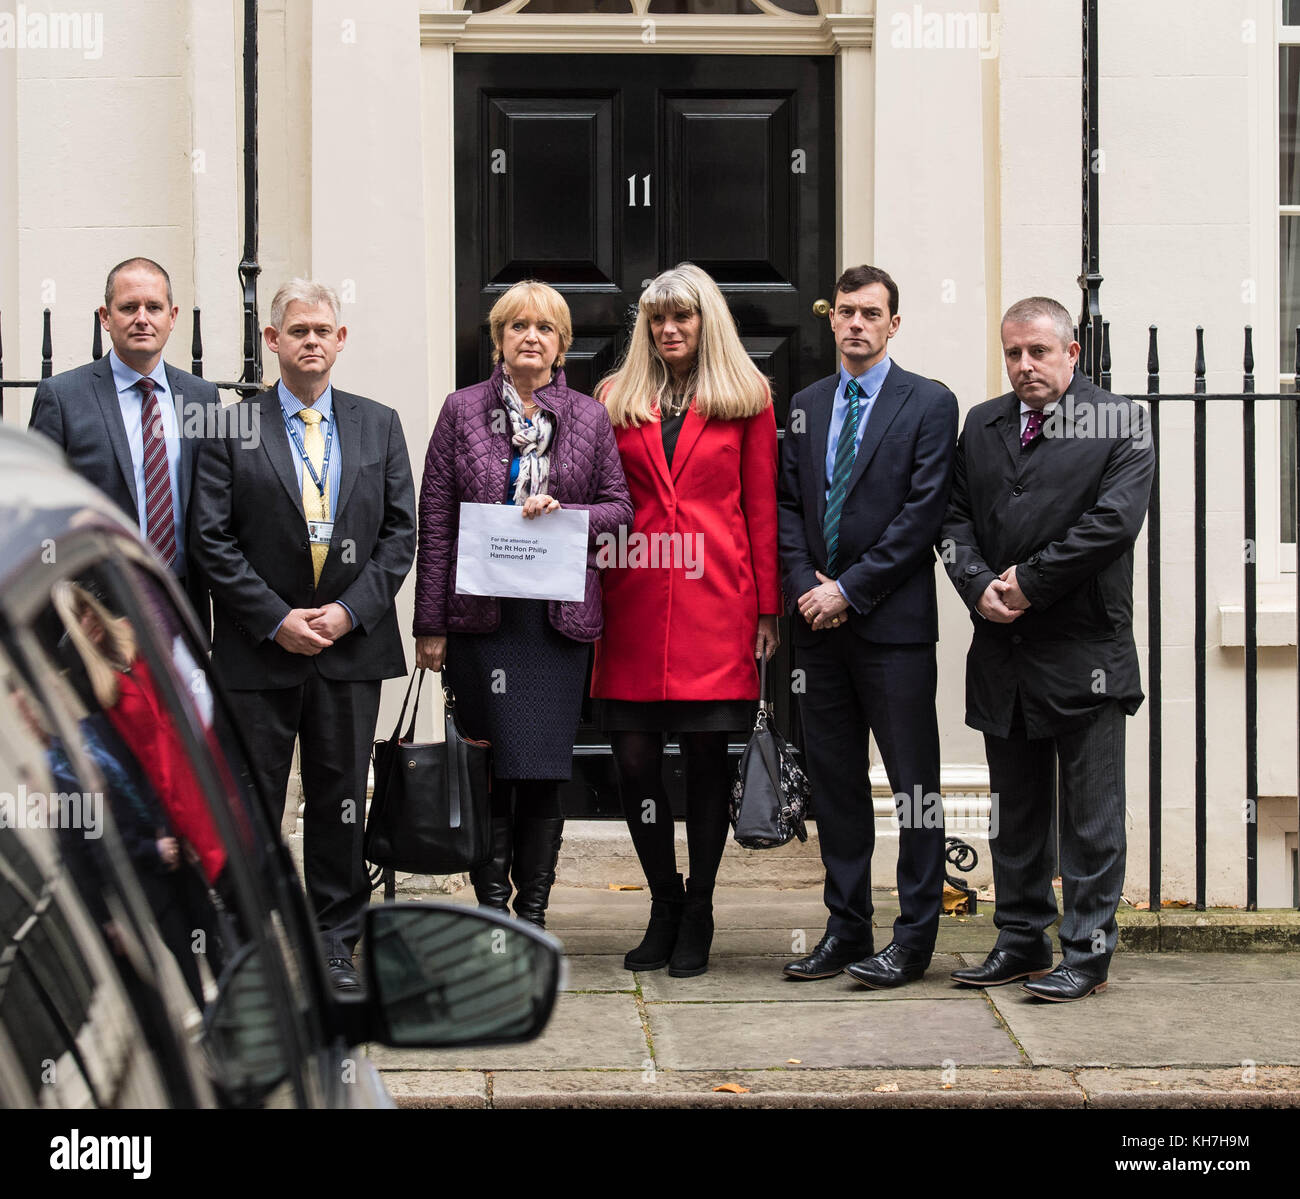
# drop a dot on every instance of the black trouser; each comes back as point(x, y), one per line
point(1023, 779)
point(639, 757)
point(334, 723)
point(854, 687)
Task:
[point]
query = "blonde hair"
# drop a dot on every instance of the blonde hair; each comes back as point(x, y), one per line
point(103, 666)
point(530, 297)
point(303, 291)
point(728, 385)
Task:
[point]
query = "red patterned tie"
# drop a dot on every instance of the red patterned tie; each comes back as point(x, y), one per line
point(158, 512)
point(1033, 426)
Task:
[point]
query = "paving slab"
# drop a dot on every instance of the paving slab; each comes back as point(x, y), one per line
point(1264, 1086)
point(437, 1088)
point(1161, 1010)
point(598, 972)
point(760, 978)
point(1009, 1088)
point(827, 1034)
point(585, 1032)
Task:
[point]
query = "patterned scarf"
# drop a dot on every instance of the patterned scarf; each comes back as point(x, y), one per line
point(532, 442)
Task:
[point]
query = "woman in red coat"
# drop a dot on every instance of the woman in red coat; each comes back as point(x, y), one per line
point(691, 592)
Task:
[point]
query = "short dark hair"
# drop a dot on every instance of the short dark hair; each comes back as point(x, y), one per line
point(148, 264)
point(855, 278)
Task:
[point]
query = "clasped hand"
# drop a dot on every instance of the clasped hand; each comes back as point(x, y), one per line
point(1003, 601)
point(310, 630)
point(823, 606)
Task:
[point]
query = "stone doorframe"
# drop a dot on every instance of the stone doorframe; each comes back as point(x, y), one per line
point(843, 28)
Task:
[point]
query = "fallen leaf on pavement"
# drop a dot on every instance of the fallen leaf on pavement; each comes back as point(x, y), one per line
point(955, 902)
point(886, 1087)
point(626, 887)
point(733, 1088)
point(794, 1061)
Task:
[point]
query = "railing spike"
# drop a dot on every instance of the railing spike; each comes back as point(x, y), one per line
point(196, 346)
point(47, 348)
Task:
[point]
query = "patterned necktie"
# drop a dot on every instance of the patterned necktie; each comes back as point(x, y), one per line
point(1033, 426)
point(315, 505)
point(159, 513)
point(845, 451)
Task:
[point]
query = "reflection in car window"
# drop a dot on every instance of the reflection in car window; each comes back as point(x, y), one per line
point(69, 1028)
point(141, 733)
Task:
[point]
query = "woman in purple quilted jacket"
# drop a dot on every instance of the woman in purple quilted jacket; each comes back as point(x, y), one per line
point(517, 667)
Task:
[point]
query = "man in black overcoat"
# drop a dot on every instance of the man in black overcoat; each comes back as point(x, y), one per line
point(1049, 492)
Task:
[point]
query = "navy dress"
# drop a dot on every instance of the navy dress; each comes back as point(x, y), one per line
point(520, 687)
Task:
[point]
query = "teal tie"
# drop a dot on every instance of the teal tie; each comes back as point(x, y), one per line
point(845, 451)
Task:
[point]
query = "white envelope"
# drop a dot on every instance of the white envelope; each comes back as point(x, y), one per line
point(503, 554)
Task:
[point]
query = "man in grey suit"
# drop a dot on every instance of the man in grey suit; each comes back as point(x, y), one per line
point(1049, 492)
point(130, 423)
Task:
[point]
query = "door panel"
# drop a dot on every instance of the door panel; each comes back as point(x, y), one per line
point(730, 203)
point(533, 143)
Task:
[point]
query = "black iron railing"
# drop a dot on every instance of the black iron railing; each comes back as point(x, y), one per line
point(1200, 401)
point(248, 385)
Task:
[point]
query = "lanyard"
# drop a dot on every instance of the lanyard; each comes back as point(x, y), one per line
point(302, 450)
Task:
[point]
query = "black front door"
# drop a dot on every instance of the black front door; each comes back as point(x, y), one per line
point(596, 172)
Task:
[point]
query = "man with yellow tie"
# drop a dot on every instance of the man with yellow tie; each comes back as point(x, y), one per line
point(305, 536)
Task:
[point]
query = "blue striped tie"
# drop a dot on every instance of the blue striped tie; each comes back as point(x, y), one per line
point(845, 450)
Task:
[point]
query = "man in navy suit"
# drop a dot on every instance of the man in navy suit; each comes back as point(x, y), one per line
point(130, 423)
point(866, 468)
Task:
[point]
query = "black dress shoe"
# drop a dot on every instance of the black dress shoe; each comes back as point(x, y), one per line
point(830, 957)
point(892, 967)
point(1066, 984)
point(343, 975)
point(1000, 967)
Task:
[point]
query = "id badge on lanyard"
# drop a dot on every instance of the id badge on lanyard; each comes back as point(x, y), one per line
point(319, 532)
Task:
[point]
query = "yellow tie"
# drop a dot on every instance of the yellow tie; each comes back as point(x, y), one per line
point(315, 506)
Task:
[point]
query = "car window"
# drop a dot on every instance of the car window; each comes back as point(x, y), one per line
point(70, 1033)
point(142, 728)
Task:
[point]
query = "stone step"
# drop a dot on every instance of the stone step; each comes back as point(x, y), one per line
point(599, 853)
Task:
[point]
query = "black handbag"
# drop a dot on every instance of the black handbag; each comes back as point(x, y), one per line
point(771, 792)
point(431, 810)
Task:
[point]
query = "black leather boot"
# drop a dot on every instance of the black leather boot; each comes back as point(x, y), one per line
point(691, 953)
point(492, 879)
point(666, 904)
point(537, 849)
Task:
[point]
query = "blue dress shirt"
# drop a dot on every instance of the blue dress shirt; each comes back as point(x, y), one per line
point(131, 401)
point(291, 405)
point(870, 381)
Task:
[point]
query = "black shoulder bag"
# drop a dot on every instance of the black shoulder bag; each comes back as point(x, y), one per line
point(431, 809)
point(771, 791)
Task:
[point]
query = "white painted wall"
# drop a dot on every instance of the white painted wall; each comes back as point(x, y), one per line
point(969, 165)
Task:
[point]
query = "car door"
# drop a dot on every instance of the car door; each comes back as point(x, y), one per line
point(113, 653)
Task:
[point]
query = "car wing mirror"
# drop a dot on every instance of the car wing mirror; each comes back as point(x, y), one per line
point(441, 975)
